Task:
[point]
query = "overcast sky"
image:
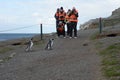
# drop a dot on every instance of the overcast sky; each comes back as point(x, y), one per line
point(24, 16)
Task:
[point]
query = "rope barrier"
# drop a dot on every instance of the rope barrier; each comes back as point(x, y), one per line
point(13, 29)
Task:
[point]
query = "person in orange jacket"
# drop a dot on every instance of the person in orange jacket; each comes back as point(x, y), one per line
point(57, 17)
point(67, 21)
point(73, 22)
point(62, 15)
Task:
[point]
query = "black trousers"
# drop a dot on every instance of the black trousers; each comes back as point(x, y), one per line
point(68, 29)
point(57, 24)
point(73, 27)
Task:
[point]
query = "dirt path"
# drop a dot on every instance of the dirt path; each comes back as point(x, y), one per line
point(71, 59)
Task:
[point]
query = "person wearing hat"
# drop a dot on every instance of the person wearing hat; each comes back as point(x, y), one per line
point(62, 14)
point(73, 22)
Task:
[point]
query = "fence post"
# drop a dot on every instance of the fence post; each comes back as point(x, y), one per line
point(41, 31)
point(100, 24)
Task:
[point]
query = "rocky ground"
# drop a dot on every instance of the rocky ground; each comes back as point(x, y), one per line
point(70, 59)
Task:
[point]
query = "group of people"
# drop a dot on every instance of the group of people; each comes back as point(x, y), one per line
point(69, 18)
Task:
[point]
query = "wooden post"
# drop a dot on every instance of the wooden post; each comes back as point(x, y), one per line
point(100, 24)
point(41, 31)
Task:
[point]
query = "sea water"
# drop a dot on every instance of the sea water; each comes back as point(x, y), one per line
point(9, 36)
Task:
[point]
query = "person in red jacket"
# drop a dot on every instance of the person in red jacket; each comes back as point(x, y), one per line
point(73, 22)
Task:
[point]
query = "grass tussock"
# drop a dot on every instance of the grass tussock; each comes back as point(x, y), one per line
point(5, 49)
point(111, 61)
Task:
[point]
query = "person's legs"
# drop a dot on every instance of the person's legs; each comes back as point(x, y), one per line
point(75, 29)
point(71, 28)
point(57, 25)
point(68, 29)
point(58, 33)
point(64, 31)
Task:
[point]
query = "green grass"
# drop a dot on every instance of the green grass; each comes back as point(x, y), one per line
point(111, 61)
point(112, 71)
point(5, 49)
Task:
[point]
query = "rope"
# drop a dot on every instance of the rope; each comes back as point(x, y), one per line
point(13, 29)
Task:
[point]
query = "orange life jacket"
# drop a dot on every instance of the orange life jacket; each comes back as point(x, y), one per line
point(62, 15)
point(67, 18)
point(57, 14)
point(73, 18)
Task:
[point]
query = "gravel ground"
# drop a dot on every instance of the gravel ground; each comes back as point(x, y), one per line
point(70, 59)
